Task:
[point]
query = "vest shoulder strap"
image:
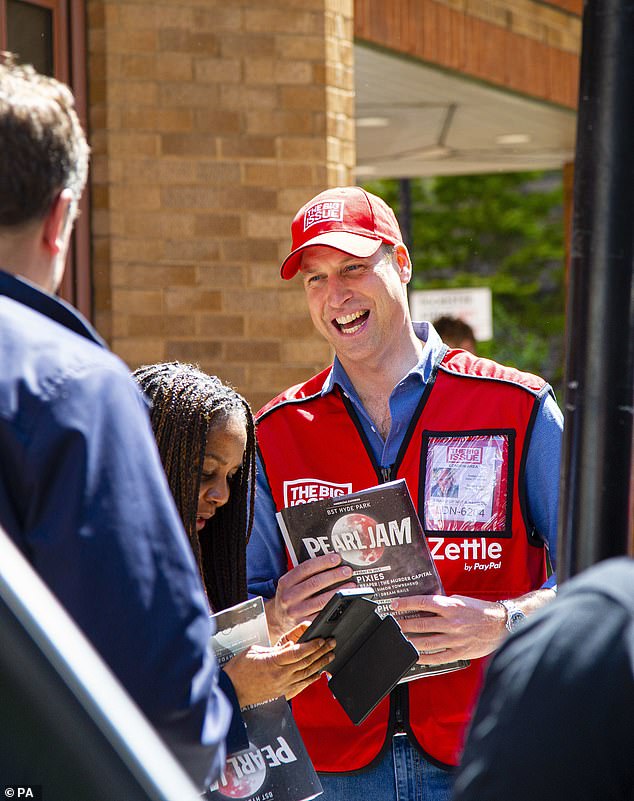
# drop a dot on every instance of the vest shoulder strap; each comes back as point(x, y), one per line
point(465, 364)
point(296, 394)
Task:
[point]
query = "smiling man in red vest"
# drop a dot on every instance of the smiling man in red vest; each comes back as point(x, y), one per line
point(396, 403)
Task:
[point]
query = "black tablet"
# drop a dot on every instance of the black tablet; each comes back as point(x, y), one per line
point(371, 654)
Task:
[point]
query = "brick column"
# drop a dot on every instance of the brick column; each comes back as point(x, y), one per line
point(210, 125)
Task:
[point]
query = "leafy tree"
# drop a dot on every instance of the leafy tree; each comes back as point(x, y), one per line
point(504, 231)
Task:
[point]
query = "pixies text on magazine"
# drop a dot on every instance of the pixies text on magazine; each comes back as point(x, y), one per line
point(378, 534)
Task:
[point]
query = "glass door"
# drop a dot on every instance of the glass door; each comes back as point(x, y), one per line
point(50, 35)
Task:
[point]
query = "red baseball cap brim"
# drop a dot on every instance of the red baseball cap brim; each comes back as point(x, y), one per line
point(353, 244)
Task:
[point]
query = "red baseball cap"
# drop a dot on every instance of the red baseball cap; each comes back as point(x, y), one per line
point(346, 218)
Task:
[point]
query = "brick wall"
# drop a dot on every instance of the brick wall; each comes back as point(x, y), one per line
point(211, 123)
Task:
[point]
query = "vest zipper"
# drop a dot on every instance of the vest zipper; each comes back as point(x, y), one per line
point(399, 718)
point(399, 697)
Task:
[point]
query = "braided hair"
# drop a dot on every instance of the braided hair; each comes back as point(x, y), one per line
point(185, 404)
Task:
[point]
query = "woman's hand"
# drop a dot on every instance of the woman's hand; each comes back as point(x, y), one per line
point(305, 590)
point(286, 668)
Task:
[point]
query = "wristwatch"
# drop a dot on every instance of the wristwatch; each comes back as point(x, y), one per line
point(514, 615)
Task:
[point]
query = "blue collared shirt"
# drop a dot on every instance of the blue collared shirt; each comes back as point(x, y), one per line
point(266, 558)
point(84, 496)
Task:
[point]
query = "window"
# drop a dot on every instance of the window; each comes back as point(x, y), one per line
point(30, 34)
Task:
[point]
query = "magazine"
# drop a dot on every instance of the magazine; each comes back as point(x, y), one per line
point(276, 766)
point(378, 534)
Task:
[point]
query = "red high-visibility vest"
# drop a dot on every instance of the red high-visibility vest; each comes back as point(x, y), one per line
point(312, 442)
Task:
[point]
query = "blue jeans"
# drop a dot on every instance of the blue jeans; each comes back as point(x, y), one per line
point(402, 775)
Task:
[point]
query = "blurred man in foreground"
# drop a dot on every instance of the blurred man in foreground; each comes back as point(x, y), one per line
point(82, 490)
point(554, 720)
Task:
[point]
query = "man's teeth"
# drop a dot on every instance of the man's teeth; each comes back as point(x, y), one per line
point(349, 317)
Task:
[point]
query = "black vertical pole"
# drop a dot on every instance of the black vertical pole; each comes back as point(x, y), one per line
point(597, 448)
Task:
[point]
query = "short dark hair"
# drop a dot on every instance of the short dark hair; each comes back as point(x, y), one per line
point(453, 330)
point(43, 149)
point(186, 403)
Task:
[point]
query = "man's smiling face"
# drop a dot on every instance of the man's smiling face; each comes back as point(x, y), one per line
point(357, 304)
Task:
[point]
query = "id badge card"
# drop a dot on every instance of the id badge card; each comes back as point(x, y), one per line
point(467, 482)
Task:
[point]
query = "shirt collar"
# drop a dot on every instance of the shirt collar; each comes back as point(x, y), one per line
point(31, 295)
point(433, 351)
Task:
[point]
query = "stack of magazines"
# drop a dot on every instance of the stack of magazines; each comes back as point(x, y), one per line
point(276, 766)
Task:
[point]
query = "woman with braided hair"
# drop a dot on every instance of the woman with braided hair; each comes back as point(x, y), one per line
point(205, 435)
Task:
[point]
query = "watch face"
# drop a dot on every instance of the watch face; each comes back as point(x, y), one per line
point(516, 619)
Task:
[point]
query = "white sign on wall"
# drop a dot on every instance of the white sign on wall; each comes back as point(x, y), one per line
point(471, 304)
